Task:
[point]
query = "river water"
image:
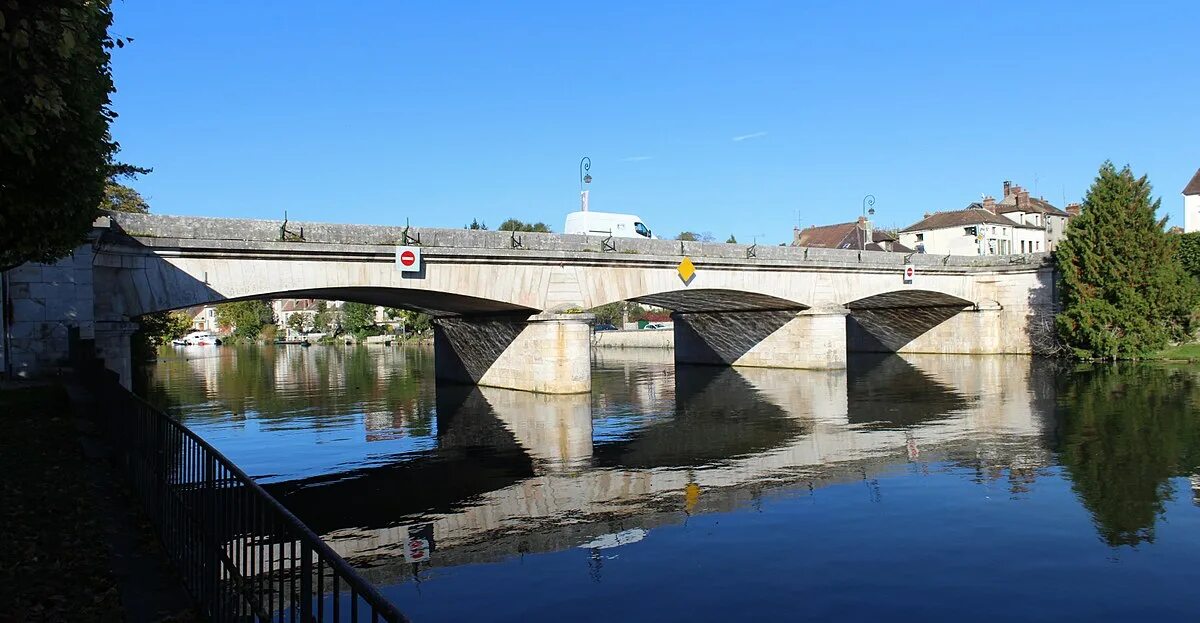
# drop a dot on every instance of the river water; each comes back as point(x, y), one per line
point(907, 488)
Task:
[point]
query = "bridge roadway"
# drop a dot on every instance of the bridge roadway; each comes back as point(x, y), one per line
point(506, 305)
point(805, 428)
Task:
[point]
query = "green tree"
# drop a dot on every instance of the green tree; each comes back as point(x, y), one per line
point(321, 319)
point(358, 317)
point(159, 328)
point(246, 318)
point(1189, 252)
point(298, 322)
point(475, 224)
point(513, 224)
point(1124, 292)
point(121, 198)
point(731, 240)
point(55, 148)
point(689, 236)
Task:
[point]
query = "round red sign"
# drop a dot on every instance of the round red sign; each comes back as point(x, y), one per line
point(408, 258)
point(909, 272)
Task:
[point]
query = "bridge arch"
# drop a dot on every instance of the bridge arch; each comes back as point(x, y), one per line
point(889, 321)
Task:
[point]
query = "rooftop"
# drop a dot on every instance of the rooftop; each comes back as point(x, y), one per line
point(1193, 187)
point(838, 236)
point(974, 214)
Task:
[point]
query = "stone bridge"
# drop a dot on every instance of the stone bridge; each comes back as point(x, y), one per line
point(506, 306)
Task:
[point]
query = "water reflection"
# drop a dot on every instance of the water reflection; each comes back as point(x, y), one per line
point(1126, 431)
point(407, 479)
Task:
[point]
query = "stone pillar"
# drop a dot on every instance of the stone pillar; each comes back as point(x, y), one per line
point(812, 339)
point(114, 348)
point(985, 329)
point(545, 353)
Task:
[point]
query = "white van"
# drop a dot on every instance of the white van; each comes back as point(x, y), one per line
point(606, 224)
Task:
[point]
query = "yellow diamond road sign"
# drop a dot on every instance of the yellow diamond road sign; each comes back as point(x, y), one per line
point(686, 269)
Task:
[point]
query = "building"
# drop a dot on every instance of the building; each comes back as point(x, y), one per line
point(204, 318)
point(1191, 204)
point(1016, 224)
point(285, 309)
point(973, 231)
point(1018, 206)
point(857, 235)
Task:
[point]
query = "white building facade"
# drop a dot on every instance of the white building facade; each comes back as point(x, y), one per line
point(1191, 204)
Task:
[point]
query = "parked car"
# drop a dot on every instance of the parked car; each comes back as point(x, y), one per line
point(655, 325)
point(604, 326)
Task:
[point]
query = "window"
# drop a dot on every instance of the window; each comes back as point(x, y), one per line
point(1039, 244)
point(1022, 246)
point(641, 229)
point(920, 237)
point(970, 231)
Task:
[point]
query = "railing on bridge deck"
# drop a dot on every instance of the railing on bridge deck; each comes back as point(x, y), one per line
point(241, 554)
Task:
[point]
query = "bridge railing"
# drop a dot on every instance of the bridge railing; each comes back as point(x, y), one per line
point(241, 554)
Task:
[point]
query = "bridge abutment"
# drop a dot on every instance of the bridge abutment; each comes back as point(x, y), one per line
point(545, 353)
point(812, 339)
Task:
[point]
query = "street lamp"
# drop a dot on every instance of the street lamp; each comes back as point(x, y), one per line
point(585, 165)
point(584, 178)
point(868, 210)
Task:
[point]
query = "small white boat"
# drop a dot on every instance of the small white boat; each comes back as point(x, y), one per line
point(197, 338)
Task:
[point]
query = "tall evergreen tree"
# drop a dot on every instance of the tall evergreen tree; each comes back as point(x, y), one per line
point(1125, 293)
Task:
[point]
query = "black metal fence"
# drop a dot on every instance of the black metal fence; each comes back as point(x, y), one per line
point(241, 554)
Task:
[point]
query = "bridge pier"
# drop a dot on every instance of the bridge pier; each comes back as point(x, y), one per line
point(983, 329)
point(545, 353)
point(812, 339)
point(114, 347)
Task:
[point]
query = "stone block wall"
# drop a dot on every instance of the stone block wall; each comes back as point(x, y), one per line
point(46, 302)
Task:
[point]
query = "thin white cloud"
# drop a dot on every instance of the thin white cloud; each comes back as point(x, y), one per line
point(746, 137)
point(636, 158)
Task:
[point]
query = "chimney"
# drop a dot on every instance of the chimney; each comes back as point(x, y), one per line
point(1007, 188)
point(1074, 209)
point(1022, 198)
point(989, 204)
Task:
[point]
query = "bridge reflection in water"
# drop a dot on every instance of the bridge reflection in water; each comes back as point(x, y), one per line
point(938, 482)
point(514, 472)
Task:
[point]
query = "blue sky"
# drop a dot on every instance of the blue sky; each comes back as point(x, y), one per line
point(378, 112)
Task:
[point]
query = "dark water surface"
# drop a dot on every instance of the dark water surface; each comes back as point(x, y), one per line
point(906, 488)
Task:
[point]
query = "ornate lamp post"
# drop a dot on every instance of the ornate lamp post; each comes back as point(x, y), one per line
point(585, 165)
point(867, 210)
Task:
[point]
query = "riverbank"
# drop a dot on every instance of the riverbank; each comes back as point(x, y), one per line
point(76, 551)
point(1182, 352)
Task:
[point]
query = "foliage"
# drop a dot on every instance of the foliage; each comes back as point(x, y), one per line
point(1125, 293)
point(322, 320)
point(614, 313)
point(513, 224)
point(731, 240)
point(358, 317)
point(245, 318)
point(1126, 430)
point(691, 236)
point(412, 321)
point(475, 224)
point(55, 148)
point(121, 198)
point(298, 322)
point(1189, 252)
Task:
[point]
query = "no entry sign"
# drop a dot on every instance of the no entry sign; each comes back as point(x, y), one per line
point(408, 259)
point(909, 271)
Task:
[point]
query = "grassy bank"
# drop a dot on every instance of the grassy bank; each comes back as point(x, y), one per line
point(56, 564)
point(1183, 352)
